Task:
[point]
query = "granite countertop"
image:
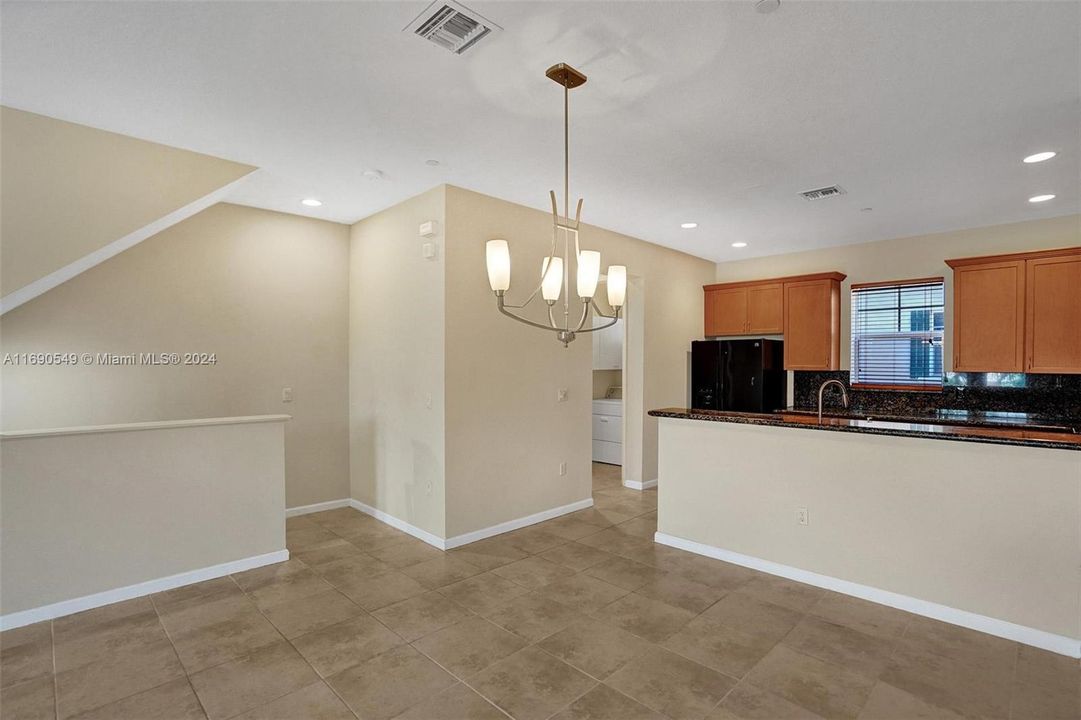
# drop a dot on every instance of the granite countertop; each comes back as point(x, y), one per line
point(979, 418)
point(1014, 434)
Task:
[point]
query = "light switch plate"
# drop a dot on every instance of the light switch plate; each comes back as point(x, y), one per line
point(287, 395)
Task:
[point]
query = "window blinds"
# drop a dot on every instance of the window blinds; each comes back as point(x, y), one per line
point(897, 334)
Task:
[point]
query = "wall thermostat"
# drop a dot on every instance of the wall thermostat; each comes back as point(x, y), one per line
point(428, 229)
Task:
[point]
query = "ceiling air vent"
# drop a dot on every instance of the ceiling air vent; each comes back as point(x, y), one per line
point(451, 26)
point(822, 193)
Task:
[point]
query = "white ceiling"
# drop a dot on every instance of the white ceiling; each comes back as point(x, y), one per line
point(699, 111)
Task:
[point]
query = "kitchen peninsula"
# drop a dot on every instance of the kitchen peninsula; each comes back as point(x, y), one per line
point(978, 526)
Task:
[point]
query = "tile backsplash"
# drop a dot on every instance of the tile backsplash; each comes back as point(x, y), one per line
point(1056, 396)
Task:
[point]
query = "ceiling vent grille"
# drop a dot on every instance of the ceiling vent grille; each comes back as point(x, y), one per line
point(823, 192)
point(451, 26)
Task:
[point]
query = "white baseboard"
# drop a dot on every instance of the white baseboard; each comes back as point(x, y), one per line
point(433, 540)
point(471, 537)
point(88, 602)
point(643, 485)
point(316, 507)
point(1060, 644)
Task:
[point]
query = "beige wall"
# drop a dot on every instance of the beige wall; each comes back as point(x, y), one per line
point(265, 291)
point(88, 513)
point(396, 362)
point(506, 433)
point(70, 189)
point(604, 379)
point(910, 257)
point(990, 529)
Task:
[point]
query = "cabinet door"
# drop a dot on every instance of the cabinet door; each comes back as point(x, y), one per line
point(812, 319)
point(989, 317)
point(726, 312)
point(765, 308)
point(1053, 314)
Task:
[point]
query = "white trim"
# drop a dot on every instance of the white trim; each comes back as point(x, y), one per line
point(643, 485)
point(433, 540)
point(1060, 644)
point(471, 537)
point(134, 427)
point(88, 602)
point(316, 507)
point(42, 285)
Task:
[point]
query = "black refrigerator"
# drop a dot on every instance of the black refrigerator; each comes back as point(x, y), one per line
point(740, 375)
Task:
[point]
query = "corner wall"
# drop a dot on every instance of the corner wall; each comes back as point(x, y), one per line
point(396, 364)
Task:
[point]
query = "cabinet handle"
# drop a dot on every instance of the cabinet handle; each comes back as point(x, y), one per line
point(604, 420)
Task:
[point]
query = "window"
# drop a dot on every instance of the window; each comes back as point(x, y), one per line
point(897, 334)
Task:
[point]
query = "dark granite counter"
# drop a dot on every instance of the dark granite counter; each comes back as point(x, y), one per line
point(1034, 435)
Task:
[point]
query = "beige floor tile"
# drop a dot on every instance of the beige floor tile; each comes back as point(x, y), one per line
point(597, 517)
point(381, 589)
point(253, 680)
point(354, 569)
point(483, 593)
point(569, 528)
point(994, 653)
point(617, 543)
point(286, 581)
point(533, 540)
point(405, 553)
point(115, 677)
point(174, 700)
point(343, 521)
point(324, 552)
point(26, 653)
point(29, 700)
point(86, 621)
point(823, 688)
point(457, 703)
point(627, 574)
point(348, 643)
point(867, 617)
point(299, 617)
point(889, 703)
point(594, 647)
point(306, 536)
point(217, 631)
point(747, 702)
point(851, 649)
point(298, 521)
point(375, 535)
point(782, 591)
point(314, 702)
point(753, 616)
point(1033, 702)
point(576, 556)
point(531, 684)
point(604, 703)
point(416, 617)
point(113, 637)
point(532, 572)
point(1047, 669)
point(723, 648)
point(708, 571)
point(440, 571)
point(582, 593)
point(488, 554)
point(390, 683)
point(967, 687)
point(642, 526)
point(196, 593)
point(681, 592)
point(649, 619)
point(469, 646)
point(532, 616)
point(671, 684)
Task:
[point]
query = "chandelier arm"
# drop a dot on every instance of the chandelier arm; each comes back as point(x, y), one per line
point(585, 316)
point(503, 309)
point(599, 327)
point(551, 317)
point(598, 313)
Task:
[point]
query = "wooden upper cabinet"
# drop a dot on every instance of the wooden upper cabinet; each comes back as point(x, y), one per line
point(989, 317)
point(726, 311)
point(812, 320)
point(1053, 314)
point(765, 308)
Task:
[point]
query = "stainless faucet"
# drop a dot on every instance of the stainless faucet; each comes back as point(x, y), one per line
point(822, 388)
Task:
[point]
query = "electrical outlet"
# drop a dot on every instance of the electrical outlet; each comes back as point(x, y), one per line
point(562, 468)
point(428, 401)
point(561, 395)
point(801, 516)
point(287, 395)
point(428, 488)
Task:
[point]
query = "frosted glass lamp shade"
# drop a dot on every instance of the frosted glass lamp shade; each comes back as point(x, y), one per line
point(551, 279)
point(498, 256)
point(617, 285)
point(589, 272)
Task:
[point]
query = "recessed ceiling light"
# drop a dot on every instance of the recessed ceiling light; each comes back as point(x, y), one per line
point(431, 163)
point(740, 244)
point(688, 226)
point(311, 202)
point(1041, 198)
point(1040, 157)
point(866, 209)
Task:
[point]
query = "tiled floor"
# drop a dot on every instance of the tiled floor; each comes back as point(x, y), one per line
point(579, 617)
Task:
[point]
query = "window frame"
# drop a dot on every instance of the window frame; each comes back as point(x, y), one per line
point(853, 370)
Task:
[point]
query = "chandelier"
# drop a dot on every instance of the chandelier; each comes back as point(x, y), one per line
point(555, 271)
